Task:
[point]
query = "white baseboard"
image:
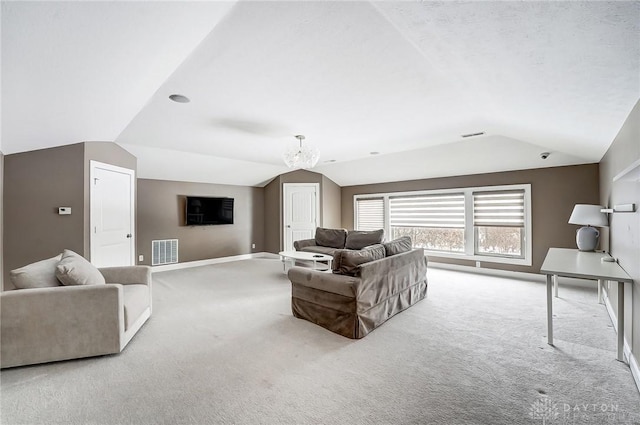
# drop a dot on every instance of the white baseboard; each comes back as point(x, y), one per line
point(488, 271)
point(199, 263)
point(531, 277)
point(635, 369)
point(626, 350)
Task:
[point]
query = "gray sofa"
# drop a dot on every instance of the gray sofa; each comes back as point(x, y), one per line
point(327, 241)
point(365, 290)
point(51, 323)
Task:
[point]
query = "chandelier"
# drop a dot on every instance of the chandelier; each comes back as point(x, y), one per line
point(299, 156)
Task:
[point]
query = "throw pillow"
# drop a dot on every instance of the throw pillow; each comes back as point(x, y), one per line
point(332, 238)
point(397, 246)
point(349, 261)
point(358, 239)
point(73, 269)
point(41, 274)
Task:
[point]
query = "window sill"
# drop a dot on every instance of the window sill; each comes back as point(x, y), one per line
point(483, 258)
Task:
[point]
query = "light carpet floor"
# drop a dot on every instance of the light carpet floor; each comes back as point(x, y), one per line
point(223, 348)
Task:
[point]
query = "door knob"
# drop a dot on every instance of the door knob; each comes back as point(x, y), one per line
point(128, 235)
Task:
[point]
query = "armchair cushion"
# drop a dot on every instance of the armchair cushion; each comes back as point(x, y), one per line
point(358, 239)
point(349, 261)
point(136, 301)
point(397, 246)
point(73, 269)
point(333, 238)
point(41, 274)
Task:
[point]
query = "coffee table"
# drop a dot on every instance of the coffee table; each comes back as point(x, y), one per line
point(316, 261)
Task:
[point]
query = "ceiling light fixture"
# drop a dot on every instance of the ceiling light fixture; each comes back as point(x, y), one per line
point(179, 98)
point(299, 156)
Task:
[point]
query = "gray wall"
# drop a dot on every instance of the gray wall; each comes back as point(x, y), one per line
point(36, 184)
point(161, 209)
point(622, 238)
point(1, 221)
point(330, 201)
point(554, 192)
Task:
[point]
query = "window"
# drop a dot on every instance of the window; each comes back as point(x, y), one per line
point(498, 221)
point(369, 213)
point(481, 223)
point(434, 222)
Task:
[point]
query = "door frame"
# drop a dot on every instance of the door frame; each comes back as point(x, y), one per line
point(316, 186)
point(93, 165)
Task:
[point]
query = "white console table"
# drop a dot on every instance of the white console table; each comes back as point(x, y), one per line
point(583, 265)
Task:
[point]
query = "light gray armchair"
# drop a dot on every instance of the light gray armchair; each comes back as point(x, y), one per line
point(67, 322)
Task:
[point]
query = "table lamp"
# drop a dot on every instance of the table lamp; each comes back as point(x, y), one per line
point(588, 215)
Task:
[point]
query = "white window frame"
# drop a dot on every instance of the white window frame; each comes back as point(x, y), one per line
point(469, 233)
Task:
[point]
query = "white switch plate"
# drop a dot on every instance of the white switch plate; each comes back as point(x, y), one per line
point(64, 210)
point(253, 246)
point(140, 257)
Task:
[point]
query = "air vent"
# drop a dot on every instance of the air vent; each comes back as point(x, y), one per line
point(164, 252)
point(473, 134)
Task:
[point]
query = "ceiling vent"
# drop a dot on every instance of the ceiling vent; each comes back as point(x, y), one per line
point(473, 134)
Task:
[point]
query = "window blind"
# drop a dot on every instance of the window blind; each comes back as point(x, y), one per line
point(369, 213)
point(499, 209)
point(437, 211)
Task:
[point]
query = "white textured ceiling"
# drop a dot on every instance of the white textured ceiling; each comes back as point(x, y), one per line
point(405, 79)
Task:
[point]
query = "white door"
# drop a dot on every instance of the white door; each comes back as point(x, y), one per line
point(301, 211)
point(112, 195)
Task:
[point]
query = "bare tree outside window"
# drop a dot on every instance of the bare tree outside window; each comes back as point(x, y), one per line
point(499, 240)
point(433, 239)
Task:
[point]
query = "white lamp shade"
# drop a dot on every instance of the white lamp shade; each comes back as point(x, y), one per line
point(588, 215)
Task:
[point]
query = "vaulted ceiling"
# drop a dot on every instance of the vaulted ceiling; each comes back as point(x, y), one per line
point(404, 79)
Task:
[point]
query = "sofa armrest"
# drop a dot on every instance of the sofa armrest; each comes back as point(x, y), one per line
point(323, 281)
point(303, 243)
point(58, 323)
point(127, 275)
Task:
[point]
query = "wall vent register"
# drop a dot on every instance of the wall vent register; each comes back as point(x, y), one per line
point(164, 252)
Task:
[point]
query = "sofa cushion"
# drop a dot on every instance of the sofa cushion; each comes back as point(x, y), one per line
point(136, 301)
point(333, 238)
point(41, 274)
point(73, 269)
point(397, 246)
point(349, 260)
point(358, 239)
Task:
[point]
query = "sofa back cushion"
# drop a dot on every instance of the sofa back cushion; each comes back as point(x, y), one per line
point(41, 274)
point(358, 239)
point(333, 238)
point(397, 246)
point(347, 262)
point(73, 269)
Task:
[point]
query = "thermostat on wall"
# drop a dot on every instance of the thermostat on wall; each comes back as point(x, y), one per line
point(64, 210)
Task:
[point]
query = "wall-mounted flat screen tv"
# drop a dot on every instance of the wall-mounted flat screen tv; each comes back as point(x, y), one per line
point(203, 210)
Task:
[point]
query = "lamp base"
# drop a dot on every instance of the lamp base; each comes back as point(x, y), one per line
point(587, 238)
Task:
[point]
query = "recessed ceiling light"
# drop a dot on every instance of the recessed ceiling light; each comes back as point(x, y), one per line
point(179, 98)
point(374, 153)
point(480, 133)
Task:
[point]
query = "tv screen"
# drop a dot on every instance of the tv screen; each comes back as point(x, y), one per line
point(203, 210)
